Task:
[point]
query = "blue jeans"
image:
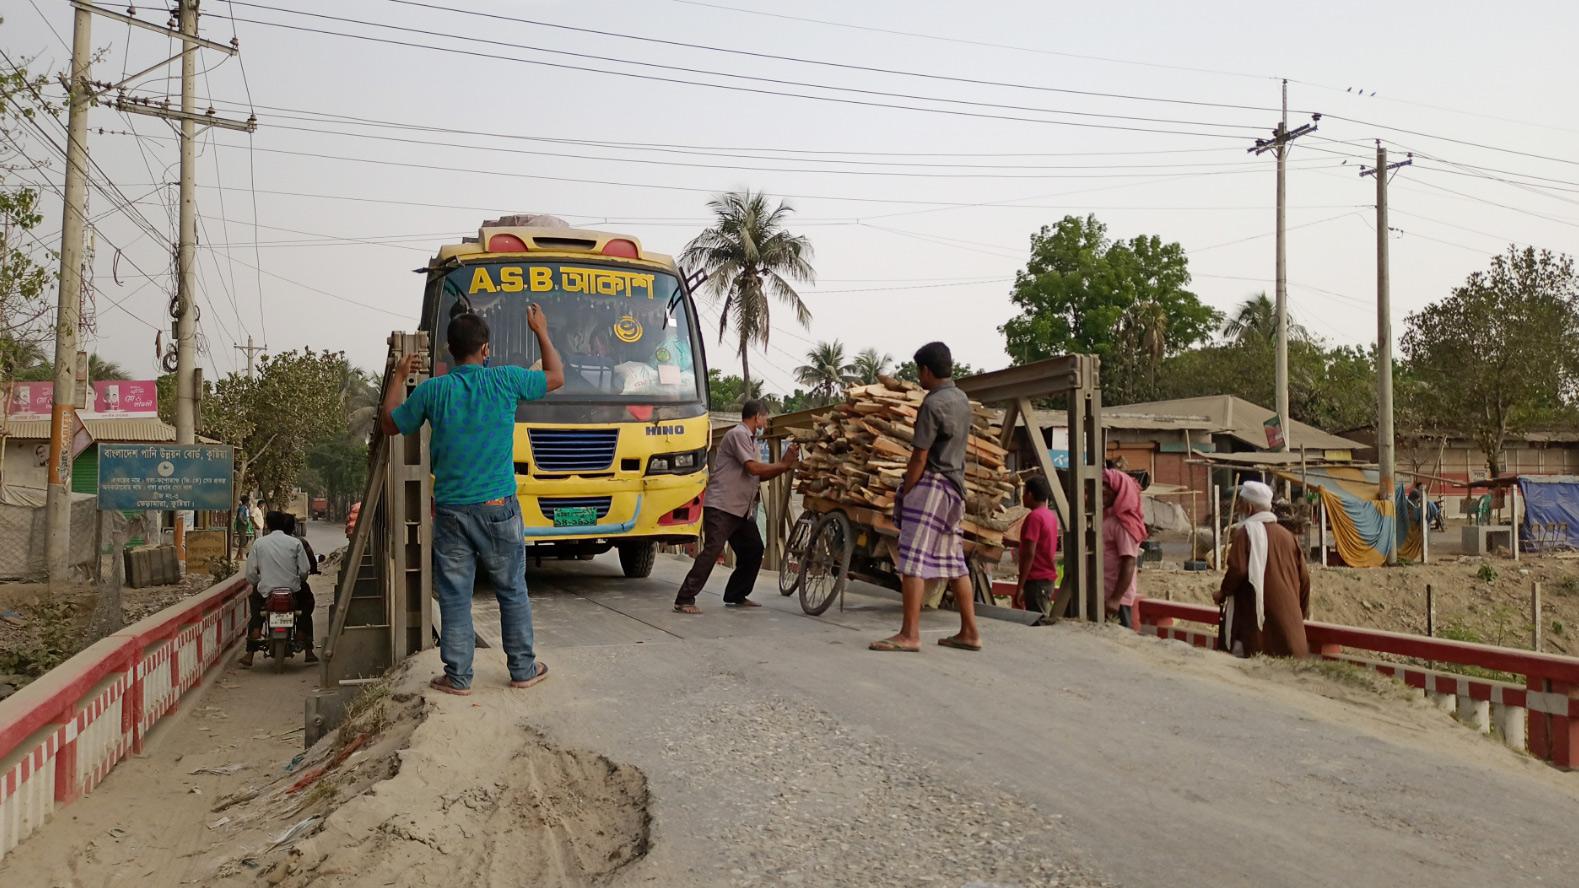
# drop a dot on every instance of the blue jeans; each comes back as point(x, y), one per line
point(492, 536)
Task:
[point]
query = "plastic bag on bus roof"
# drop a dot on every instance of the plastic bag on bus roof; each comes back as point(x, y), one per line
point(526, 220)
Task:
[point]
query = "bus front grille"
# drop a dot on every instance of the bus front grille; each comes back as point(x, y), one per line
point(566, 451)
point(552, 504)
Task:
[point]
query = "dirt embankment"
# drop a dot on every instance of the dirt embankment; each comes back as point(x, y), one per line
point(1481, 600)
point(397, 798)
point(39, 630)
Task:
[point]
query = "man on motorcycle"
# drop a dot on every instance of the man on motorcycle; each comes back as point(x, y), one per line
point(278, 560)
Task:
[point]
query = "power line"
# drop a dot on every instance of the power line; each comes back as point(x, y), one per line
point(615, 183)
point(1171, 169)
point(979, 43)
point(754, 90)
point(1466, 142)
point(797, 60)
point(313, 116)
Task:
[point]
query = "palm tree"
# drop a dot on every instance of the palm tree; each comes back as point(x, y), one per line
point(359, 400)
point(102, 368)
point(750, 259)
point(870, 364)
point(826, 372)
point(1256, 319)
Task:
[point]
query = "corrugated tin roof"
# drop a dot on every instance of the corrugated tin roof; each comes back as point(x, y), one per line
point(1123, 418)
point(134, 429)
point(1241, 419)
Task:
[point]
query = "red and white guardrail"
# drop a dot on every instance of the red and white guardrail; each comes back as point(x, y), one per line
point(1542, 715)
point(61, 735)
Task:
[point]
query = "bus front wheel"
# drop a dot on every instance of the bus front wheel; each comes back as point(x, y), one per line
point(637, 558)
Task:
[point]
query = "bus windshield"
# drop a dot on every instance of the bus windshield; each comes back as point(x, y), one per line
point(625, 334)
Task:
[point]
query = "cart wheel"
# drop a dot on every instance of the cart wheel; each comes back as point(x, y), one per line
point(795, 553)
point(825, 568)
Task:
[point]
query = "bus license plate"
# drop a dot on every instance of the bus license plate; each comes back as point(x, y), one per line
point(281, 621)
point(578, 517)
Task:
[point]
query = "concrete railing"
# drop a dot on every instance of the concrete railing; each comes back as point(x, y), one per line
point(1541, 715)
point(61, 735)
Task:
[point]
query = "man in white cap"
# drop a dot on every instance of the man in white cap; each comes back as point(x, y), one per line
point(1266, 592)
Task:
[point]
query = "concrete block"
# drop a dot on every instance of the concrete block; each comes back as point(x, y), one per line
point(1474, 713)
point(1512, 723)
point(1446, 702)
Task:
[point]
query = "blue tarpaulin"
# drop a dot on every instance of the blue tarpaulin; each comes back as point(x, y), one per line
point(1551, 512)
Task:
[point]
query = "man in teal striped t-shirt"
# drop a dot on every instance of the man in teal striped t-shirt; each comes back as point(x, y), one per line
point(478, 517)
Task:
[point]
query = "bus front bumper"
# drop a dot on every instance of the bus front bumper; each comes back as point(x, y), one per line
point(664, 508)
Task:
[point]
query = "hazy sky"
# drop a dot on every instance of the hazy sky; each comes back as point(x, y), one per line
point(919, 218)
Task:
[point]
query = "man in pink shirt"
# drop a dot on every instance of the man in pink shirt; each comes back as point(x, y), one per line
point(1038, 548)
point(1123, 529)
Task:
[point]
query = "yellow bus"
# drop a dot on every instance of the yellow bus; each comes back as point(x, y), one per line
point(617, 458)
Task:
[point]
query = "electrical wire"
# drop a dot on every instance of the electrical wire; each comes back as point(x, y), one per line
point(797, 60)
point(582, 68)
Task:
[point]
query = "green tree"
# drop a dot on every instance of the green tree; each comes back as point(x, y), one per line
point(337, 470)
point(870, 364)
point(1125, 301)
point(275, 418)
point(727, 393)
point(26, 267)
point(40, 367)
point(1498, 353)
point(907, 371)
point(751, 260)
point(826, 371)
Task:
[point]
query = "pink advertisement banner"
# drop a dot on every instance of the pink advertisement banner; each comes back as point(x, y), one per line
point(111, 398)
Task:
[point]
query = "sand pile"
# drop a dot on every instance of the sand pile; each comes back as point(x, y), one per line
point(398, 798)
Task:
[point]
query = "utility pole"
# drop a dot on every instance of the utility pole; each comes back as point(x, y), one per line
point(250, 350)
point(62, 415)
point(186, 19)
point(1387, 487)
point(1278, 144)
point(186, 252)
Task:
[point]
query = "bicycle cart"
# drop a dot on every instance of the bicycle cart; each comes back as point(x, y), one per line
point(831, 542)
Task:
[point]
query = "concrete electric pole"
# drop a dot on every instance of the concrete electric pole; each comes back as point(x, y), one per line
point(251, 352)
point(62, 415)
point(1385, 457)
point(187, 372)
point(1278, 144)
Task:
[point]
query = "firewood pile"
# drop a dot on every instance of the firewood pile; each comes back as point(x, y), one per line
point(855, 454)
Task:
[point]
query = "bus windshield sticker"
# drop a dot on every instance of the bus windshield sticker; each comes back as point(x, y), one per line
point(542, 279)
point(627, 329)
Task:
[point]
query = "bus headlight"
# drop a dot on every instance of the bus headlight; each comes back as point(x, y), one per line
point(683, 463)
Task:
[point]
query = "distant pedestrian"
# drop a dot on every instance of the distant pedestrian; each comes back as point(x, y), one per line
point(1123, 530)
point(1038, 548)
point(477, 518)
point(931, 505)
point(1265, 594)
point(279, 561)
point(729, 511)
point(241, 524)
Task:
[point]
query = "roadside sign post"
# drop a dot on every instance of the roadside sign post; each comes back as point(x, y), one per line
point(165, 477)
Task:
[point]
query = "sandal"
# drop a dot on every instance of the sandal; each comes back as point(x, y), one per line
point(542, 673)
point(744, 602)
point(442, 683)
point(687, 609)
point(888, 645)
point(953, 641)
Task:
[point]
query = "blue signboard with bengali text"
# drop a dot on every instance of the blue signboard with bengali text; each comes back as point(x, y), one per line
point(166, 477)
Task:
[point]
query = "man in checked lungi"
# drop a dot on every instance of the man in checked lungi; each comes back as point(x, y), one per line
point(931, 504)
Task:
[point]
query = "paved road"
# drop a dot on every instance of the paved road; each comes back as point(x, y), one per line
point(775, 743)
point(778, 751)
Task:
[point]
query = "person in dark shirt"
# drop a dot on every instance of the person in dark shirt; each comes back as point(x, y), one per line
point(931, 505)
point(730, 511)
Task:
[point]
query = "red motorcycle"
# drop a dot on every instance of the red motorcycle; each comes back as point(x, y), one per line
point(279, 626)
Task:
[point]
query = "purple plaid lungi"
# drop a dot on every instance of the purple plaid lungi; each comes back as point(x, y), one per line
point(930, 545)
